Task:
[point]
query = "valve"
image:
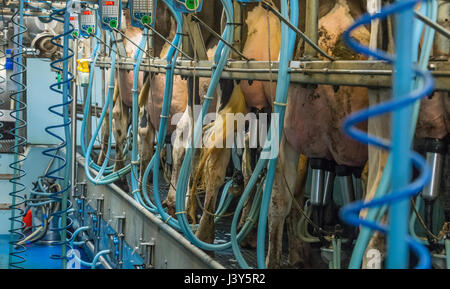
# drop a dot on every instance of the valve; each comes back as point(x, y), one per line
point(435, 151)
point(188, 6)
point(9, 63)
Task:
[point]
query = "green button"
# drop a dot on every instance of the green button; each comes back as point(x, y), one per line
point(75, 33)
point(146, 19)
point(91, 30)
point(113, 23)
point(191, 4)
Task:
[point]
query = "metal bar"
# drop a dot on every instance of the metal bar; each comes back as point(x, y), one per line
point(104, 43)
point(311, 30)
point(73, 168)
point(131, 41)
point(215, 34)
point(166, 40)
point(102, 259)
point(311, 25)
point(341, 72)
point(432, 24)
point(172, 250)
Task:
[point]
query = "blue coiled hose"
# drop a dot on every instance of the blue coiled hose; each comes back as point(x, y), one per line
point(350, 213)
point(430, 9)
point(55, 174)
point(16, 235)
point(44, 19)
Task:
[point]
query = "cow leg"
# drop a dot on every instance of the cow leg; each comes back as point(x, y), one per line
point(281, 201)
point(298, 250)
point(180, 141)
point(377, 161)
point(215, 170)
point(250, 240)
point(121, 116)
point(104, 140)
point(146, 137)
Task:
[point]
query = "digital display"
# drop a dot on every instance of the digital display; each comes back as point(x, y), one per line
point(87, 12)
point(109, 3)
point(71, 18)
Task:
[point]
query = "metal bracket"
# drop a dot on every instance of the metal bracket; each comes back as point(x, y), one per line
point(148, 253)
point(196, 37)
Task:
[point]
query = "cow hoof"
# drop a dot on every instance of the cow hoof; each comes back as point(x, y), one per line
point(250, 241)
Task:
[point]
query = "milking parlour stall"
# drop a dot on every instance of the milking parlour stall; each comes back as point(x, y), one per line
point(224, 134)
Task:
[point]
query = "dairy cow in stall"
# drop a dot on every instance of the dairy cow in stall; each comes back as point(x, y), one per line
point(312, 124)
point(151, 90)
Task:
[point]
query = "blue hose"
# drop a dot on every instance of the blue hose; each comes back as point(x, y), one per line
point(167, 100)
point(108, 105)
point(432, 8)
point(350, 213)
point(72, 242)
point(288, 38)
point(220, 59)
point(135, 114)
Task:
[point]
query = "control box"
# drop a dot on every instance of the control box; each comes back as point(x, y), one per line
point(110, 14)
point(142, 12)
point(88, 22)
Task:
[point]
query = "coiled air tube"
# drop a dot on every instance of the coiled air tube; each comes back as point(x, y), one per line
point(55, 174)
point(16, 235)
point(2, 79)
point(350, 213)
point(375, 214)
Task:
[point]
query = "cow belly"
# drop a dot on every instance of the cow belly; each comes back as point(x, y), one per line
point(156, 98)
point(306, 121)
point(432, 117)
point(346, 101)
point(126, 85)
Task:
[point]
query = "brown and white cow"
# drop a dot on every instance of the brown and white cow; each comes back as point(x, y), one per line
point(151, 91)
point(312, 123)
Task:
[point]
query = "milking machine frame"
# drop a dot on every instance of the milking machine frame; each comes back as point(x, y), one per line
point(368, 73)
point(310, 70)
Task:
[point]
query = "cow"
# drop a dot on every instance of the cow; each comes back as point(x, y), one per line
point(312, 123)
